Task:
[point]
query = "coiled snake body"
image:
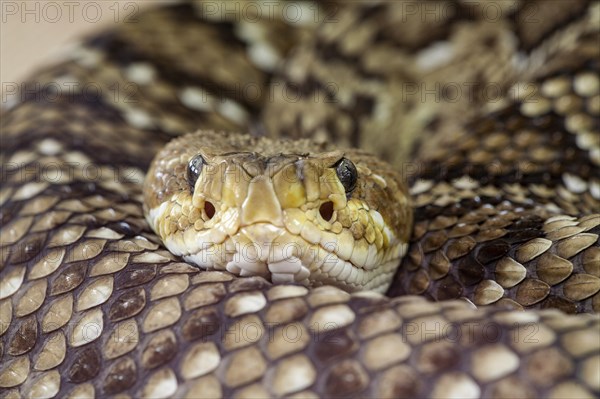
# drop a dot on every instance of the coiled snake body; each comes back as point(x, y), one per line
point(493, 122)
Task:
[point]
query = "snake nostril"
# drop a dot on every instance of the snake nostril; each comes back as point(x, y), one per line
point(209, 208)
point(326, 210)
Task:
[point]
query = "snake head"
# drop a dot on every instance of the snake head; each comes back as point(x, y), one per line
point(290, 211)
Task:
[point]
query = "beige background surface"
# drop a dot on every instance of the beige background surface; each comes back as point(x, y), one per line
point(34, 33)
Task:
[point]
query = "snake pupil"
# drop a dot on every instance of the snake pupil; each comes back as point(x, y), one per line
point(194, 169)
point(347, 173)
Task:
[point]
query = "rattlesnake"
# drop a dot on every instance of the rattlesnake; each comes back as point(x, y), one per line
point(491, 118)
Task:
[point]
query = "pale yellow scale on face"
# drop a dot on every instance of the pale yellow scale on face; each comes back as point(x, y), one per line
point(290, 211)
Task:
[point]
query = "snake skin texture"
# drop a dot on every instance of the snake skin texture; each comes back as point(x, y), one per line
point(504, 183)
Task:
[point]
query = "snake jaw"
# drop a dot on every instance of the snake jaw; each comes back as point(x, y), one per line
point(285, 217)
point(300, 250)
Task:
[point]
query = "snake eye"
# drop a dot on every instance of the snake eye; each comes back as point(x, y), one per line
point(193, 170)
point(347, 173)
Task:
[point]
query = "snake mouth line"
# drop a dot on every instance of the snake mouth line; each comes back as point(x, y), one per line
point(282, 257)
